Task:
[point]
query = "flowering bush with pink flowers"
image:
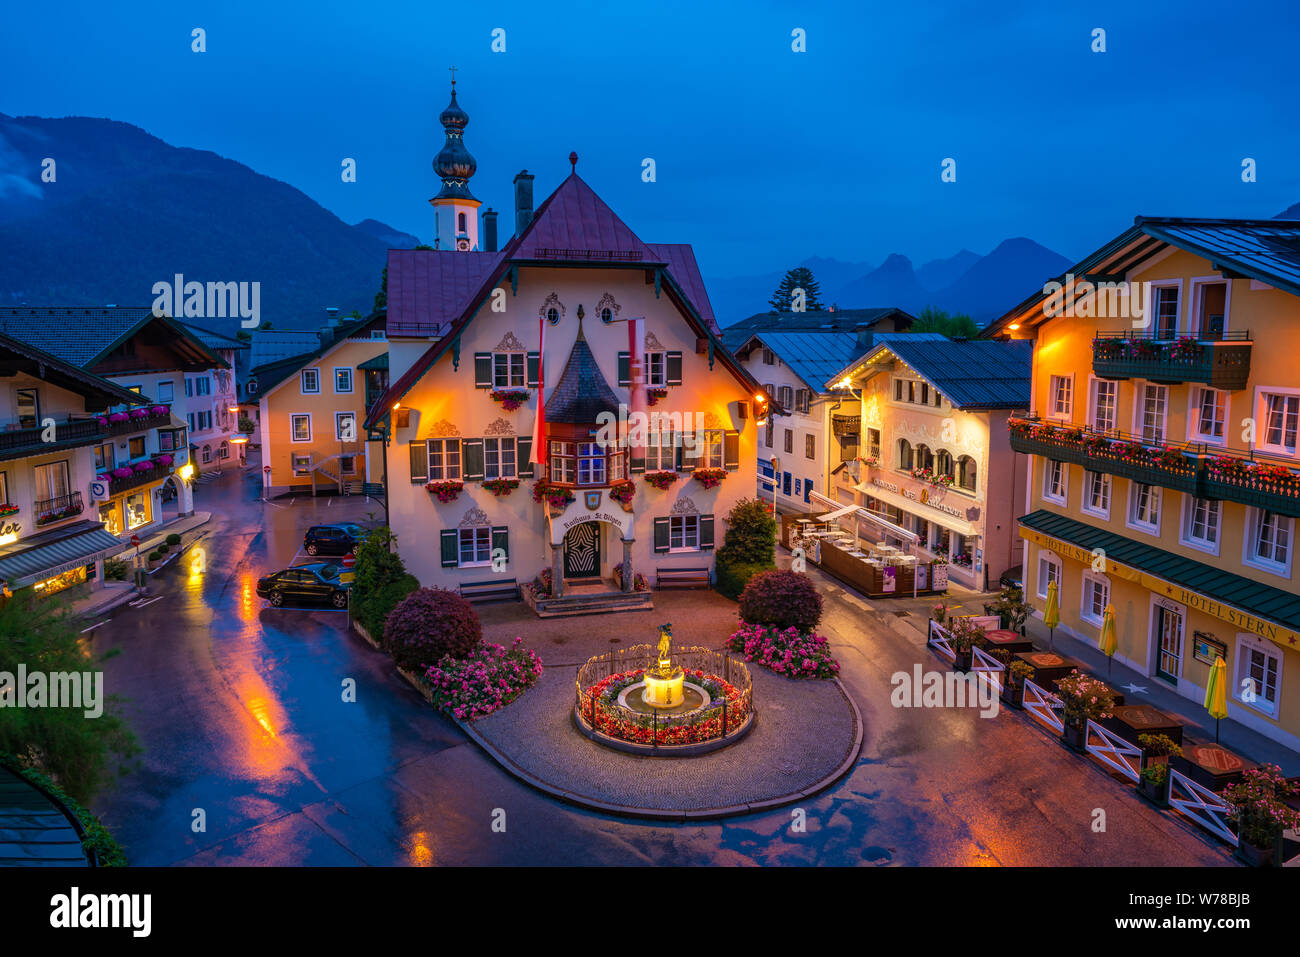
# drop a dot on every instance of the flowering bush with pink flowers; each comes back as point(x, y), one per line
point(787, 651)
point(1084, 699)
point(489, 677)
point(1259, 808)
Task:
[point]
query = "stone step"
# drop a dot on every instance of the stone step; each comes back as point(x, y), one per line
point(593, 604)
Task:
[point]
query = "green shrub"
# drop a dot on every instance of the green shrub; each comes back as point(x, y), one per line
point(381, 581)
point(372, 610)
point(783, 600)
point(751, 535)
point(173, 540)
point(163, 549)
point(731, 579)
point(155, 556)
point(118, 568)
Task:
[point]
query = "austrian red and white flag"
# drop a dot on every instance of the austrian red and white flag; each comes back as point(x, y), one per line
point(636, 390)
point(538, 455)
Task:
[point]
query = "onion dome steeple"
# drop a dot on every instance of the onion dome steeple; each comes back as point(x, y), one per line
point(453, 163)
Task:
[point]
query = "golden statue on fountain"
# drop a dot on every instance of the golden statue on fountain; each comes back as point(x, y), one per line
point(663, 681)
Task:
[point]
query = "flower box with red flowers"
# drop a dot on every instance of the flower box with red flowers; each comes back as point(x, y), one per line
point(501, 487)
point(623, 492)
point(1185, 349)
point(655, 396)
point(557, 497)
point(510, 399)
point(871, 461)
point(7, 510)
point(709, 478)
point(446, 490)
point(660, 480)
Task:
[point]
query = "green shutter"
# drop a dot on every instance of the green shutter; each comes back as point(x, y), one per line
point(661, 534)
point(482, 370)
point(625, 368)
point(534, 369)
point(674, 368)
point(688, 459)
point(706, 531)
point(471, 459)
point(419, 463)
point(636, 464)
point(501, 540)
point(524, 451)
point(731, 450)
point(450, 548)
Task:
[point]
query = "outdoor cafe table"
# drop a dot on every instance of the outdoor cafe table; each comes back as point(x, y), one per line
point(1012, 641)
point(1131, 720)
point(1048, 667)
point(1210, 765)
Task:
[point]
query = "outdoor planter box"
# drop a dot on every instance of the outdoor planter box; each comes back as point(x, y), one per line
point(1223, 365)
point(414, 681)
point(1009, 640)
point(1048, 667)
point(1157, 794)
point(1129, 721)
point(1281, 496)
point(1210, 765)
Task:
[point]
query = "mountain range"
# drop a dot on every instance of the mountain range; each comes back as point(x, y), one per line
point(123, 210)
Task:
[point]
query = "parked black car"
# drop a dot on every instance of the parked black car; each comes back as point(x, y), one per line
point(333, 539)
point(306, 583)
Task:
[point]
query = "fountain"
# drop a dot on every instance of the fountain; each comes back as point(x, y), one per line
point(645, 697)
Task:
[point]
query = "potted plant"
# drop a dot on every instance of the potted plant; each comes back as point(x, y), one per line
point(1261, 813)
point(1011, 608)
point(154, 558)
point(556, 497)
point(1013, 688)
point(709, 478)
point(623, 492)
point(660, 480)
point(940, 613)
point(1153, 779)
point(501, 487)
point(446, 490)
point(542, 583)
point(655, 395)
point(6, 510)
point(173, 540)
point(964, 634)
point(639, 581)
point(1083, 699)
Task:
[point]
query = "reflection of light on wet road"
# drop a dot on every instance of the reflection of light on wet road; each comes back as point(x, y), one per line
point(421, 853)
point(261, 710)
point(198, 562)
point(247, 597)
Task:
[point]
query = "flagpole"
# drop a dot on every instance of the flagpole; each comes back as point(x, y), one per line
point(538, 454)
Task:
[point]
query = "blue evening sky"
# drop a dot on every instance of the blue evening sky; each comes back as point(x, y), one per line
point(764, 156)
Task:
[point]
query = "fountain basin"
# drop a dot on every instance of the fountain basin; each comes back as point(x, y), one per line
point(662, 691)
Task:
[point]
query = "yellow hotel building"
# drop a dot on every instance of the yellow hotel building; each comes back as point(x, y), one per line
point(1162, 455)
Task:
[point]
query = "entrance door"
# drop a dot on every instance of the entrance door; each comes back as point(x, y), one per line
point(1169, 630)
point(582, 551)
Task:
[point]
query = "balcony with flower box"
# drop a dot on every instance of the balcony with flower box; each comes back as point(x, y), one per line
point(51, 510)
point(135, 474)
point(20, 439)
point(1251, 481)
point(1173, 465)
point(136, 420)
point(1221, 361)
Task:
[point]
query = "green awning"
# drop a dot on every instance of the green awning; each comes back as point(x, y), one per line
point(1255, 598)
point(378, 362)
point(35, 559)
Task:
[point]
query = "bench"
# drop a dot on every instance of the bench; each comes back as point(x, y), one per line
point(682, 577)
point(499, 589)
point(373, 489)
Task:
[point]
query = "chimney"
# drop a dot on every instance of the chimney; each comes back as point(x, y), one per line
point(523, 201)
point(490, 230)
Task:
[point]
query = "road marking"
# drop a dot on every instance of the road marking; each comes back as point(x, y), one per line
point(329, 501)
point(93, 627)
point(149, 602)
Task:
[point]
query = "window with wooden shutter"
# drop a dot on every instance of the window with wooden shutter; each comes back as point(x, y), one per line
point(688, 453)
point(661, 534)
point(706, 532)
point(731, 450)
point(625, 368)
point(674, 368)
point(472, 458)
point(534, 369)
point(482, 370)
point(501, 540)
point(419, 463)
point(525, 446)
point(450, 548)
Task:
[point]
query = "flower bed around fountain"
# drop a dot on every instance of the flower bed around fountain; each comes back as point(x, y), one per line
point(717, 707)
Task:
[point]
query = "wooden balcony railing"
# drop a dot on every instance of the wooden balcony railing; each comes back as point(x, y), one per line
point(17, 441)
point(1199, 469)
point(1222, 362)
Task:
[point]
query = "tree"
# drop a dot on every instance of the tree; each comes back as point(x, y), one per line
point(960, 326)
point(786, 298)
point(748, 547)
point(64, 743)
point(380, 581)
point(381, 297)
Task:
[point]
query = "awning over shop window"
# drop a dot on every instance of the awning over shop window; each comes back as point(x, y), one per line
point(863, 514)
point(927, 512)
point(846, 424)
point(44, 556)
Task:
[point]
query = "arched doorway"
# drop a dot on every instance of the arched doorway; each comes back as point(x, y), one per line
point(170, 495)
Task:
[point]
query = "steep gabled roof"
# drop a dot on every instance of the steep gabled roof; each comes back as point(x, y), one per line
point(973, 374)
point(213, 340)
point(83, 335)
point(271, 374)
point(99, 392)
point(1263, 249)
point(572, 215)
point(813, 356)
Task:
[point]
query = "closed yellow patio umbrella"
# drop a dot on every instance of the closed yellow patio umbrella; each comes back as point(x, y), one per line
point(1109, 643)
point(1052, 614)
point(1216, 693)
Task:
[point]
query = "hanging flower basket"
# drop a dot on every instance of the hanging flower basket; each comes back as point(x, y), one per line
point(709, 478)
point(623, 492)
point(510, 399)
point(447, 490)
point(501, 487)
point(660, 480)
point(871, 461)
point(556, 497)
point(655, 396)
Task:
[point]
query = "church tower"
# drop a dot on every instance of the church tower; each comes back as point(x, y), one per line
point(455, 208)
